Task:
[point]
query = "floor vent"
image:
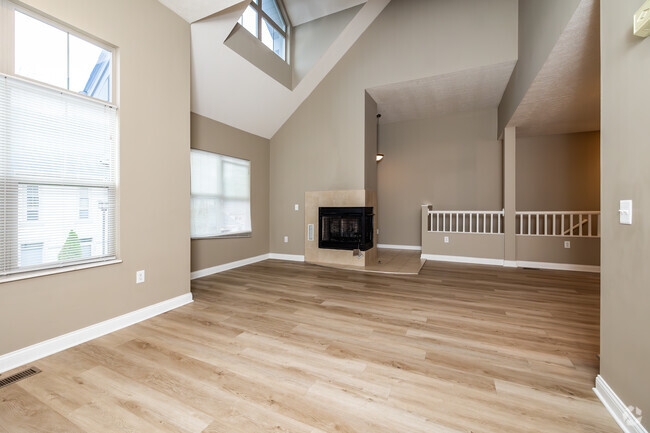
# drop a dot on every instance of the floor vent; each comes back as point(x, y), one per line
point(18, 376)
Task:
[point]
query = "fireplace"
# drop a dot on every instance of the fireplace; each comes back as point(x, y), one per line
point(345, 228)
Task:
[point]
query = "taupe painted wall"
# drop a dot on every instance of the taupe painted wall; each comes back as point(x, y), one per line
point(453, 162)
point(154, 108)
point(559, 172)
point(550, 249)
point(370, 137)
point(540, 24)
point(322, 146)
point(311, 39)
point(625, 275)
point(216, 137)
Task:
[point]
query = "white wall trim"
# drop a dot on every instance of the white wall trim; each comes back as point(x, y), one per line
point(461, 259)
point(289, 257)
point(558, 266)
point(49, 347)
point(400, 247)
point(621, 413)
point(227, 266)
point(510, 263)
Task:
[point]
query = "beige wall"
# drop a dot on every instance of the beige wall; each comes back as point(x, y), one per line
point(452, 162)
point(154, 109)
point(625, 276)
point(216, 137)
point(550, 249)
point(370, 137)
point(464, 245)
point(322, 146)
point(559, 172)
point(540, 24)
point(311, 39)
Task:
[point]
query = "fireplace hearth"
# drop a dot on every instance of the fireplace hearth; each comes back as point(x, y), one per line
point(345, 228)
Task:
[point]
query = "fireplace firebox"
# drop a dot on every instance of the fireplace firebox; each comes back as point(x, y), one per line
point(345, 228)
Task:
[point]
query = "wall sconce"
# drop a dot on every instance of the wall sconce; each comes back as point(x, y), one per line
point(380, 156)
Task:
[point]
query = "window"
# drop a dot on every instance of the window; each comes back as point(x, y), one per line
point(86, 247)
point(266, 20)
point(48, 54)
point(32, 202)
point(83, 203)
point(220, 195)
point(57, 150)
point(31, 254)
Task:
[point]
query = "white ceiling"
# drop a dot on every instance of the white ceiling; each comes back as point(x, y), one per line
point(229, 89)
point(300, 11)
point(194, 10)
point(468, 90)
point(565, 96)
point(303, 11)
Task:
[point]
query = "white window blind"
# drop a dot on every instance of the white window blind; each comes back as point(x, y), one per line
point(57, 177)
point(220, 195)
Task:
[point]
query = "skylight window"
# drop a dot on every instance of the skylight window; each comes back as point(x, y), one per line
point(265, 19)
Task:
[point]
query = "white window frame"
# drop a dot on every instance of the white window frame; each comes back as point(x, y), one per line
point(8, 45)
point(262, 15)
point(221, 198)
point(7, 67)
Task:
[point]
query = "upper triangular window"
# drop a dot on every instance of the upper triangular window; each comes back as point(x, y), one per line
point(265, 19)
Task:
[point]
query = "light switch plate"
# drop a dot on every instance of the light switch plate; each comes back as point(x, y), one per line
point(286, 239)
point(296, 207)
point(310, 232)
point(139, 277)
point(446, 239)
point(567, 244)
point(625, 212)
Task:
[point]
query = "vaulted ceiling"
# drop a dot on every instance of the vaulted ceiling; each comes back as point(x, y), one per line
point(466, 90)
point(565, 96)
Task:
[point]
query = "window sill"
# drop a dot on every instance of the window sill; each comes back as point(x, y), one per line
point(53, 271)
point(237, 236)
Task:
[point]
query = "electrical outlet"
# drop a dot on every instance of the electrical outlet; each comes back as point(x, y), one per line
point(567, 244)
point(286, 239)
point(139, 277)
point(296, 207)
point(446, 239)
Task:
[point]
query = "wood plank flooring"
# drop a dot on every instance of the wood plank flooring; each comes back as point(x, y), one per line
point(291, 347)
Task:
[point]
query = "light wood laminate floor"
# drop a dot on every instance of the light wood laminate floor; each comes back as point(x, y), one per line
point(291, 347)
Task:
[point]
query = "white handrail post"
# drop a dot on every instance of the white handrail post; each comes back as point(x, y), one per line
point(554, 231)
point(581, 224)
point(571, 224)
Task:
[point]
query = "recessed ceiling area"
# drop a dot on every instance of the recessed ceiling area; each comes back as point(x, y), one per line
point(461, 91)
point(303, 11)
point(564, 98)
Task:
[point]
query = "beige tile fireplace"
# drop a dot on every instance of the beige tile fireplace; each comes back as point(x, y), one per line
point(349, 198)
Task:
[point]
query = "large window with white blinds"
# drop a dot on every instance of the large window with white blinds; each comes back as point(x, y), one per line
point(220, 188)
point(58, 145)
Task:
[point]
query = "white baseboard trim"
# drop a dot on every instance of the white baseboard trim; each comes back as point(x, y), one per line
point(461, 259)
point(558, 266)
point(400, 247)
point(289, 257)
point(619, 411)
point(227, 266)
point(510, 263)
point(57, 344)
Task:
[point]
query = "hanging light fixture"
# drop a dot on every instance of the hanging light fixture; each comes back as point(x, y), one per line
point(379, 156)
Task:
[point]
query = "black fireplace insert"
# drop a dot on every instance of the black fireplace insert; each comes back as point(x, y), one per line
point(345, 228)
